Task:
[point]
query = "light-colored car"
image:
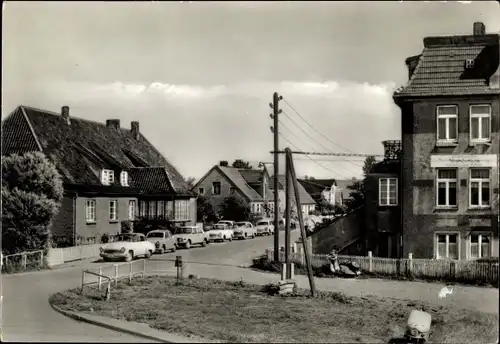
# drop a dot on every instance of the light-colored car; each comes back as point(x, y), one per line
point(127, 247)
point(187, 236)
point(244, 230)
point(264, 227)
point(221, 232)
point(162, 239)
point(230, 224)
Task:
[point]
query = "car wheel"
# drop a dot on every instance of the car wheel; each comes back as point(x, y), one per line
point(188, 244)
point(148, 254)
point(230, 238)
point(162, 249)
point(130, 256)
point(253, 236)
point(106, 259)
point(207, 241)
point(203, 243)
point(174, 248)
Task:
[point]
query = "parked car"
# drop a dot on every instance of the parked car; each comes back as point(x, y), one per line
point(187, 236)
point(230, 224)
point(221, 232)
point(264, 227)
point(244, 230)
point(162, 239)
point(127, 247)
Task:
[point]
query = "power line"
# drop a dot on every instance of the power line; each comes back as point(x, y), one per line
point(332, 154)
point(291, 132)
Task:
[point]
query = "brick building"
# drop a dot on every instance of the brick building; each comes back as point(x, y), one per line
point(450, 141)
point(110, 174)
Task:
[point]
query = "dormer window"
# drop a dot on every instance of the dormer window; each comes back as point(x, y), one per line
point(124, 178)
point(469, 64)
point(108, 177)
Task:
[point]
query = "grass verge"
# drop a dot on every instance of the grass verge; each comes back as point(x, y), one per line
point(323, 271)
point(240, 312)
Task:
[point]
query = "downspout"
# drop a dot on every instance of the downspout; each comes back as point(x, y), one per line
point(75, 196)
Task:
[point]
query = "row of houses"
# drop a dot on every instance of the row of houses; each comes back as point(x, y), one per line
point(436, 193)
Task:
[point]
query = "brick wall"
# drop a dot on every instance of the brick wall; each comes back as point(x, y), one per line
point(62, 225)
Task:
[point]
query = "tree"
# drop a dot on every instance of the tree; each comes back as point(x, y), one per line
point(368, 165)
point(32, 191)
point(205, 210)
point(191, 181)
point(239, 163)
point(325, 206)
point(358, 188)
point(235, 208)
point(223, 163)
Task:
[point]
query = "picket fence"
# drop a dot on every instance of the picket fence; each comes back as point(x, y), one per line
point(58, 256)
point(436, 269)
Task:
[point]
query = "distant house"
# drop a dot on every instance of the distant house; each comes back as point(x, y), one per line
point(251, 184)
point(320, 189)
point(307, 203)
point(342, 192)
point(110, 174)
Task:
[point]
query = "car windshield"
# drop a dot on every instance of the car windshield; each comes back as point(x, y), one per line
point(239, 224)
point(184, 230)
point(128, 237)
point(262, 223)
point(219, 226)
point(155, 235)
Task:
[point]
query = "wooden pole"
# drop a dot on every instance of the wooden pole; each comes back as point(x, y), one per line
point(287, 218)
point(276, 112)
point(301, 222)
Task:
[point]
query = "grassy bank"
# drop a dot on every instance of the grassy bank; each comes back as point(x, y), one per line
point(240, 312)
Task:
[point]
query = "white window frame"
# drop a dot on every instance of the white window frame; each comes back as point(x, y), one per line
point(132, 205)
point(90, 211)
point(436, 243)
point(143, 208)
point(108, 177)
point(213, 188)
point(480, 181)
point(201, 191)
point(386, 193)
point(124, 178)
point(182, 206)
point(447, 140)
point(469, 63)
point(480, 124)
point(152, 205)
point(480, 248)
point(447, 181)
point(160, 208)
point(113, 215)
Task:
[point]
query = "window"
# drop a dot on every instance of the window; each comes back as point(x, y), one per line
point(232, 190)
point(124, 178)
point(388, 191)
point(108, 177)
point(447, 118)
point(201, 191)
point(152, 209)
point(170, 209)
point(182, 210)
point(113, 216)
point(480, 246)
point(161, 208)
point(447, 246)
point(143, 209)
point(480, 117)
point(469, 63)
point(479, 187)
point(131, 210)
point(216, 188)
point(252, 206)
point(446, 187)
point(90, 211)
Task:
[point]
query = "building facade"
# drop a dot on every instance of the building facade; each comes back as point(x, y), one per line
point(450, 141)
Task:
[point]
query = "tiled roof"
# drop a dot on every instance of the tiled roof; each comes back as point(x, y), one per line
point(151, 180)
point(234, 174)
point(440, 69)
point(305, 197)
point(82, 148)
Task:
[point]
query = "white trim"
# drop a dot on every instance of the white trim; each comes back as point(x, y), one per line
point(124, 178)
point(387, 192)
point(480, 181)
point(201, 191)
point(463, 160)
point(480, 235)
point(480, 124)
point(447, 233)
point(90, 211)
point(213, 188)
point(113, 216)
point(132, 205)
point(107, 177)
point(447, 182)
point(447, 140)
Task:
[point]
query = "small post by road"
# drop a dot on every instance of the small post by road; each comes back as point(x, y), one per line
point(287, 219)
point(179, 266)
point(312, 285)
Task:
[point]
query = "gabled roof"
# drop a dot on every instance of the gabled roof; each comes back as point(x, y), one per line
point(441, 68)
point(82, 148)
point(151, 180)
point(305, 197)
point(236, 177)
point(343, 187)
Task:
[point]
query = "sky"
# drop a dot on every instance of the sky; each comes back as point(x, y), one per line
point(199, 76)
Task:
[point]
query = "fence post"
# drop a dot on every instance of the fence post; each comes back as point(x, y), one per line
point(116, 274)
point(370, 261)
point(99, 280)
point(83, 281)
point(410, 263)
point(41, 258)
point(130, 272)
point(143, 268)
point(24, 258)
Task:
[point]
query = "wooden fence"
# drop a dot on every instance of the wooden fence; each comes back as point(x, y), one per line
point(436, 269)
point(24, 261)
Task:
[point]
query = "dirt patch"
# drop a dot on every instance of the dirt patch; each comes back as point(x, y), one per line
point(241, 312)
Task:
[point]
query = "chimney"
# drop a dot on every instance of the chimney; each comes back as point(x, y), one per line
point(113, 123)
point(479, 29)
point(134, 129)
point(65, 114)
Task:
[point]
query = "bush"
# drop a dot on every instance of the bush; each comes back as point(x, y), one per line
point(126, 226)
point(105, 238)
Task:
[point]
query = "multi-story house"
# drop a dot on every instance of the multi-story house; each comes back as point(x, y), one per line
point(319, 190)
point(450, 141)
point(307, 204)
point(110, 174)
point(251, 184)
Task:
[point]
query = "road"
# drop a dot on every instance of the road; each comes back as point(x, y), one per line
point(27, 315)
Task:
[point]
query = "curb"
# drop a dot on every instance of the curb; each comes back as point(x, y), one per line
point(83, 318)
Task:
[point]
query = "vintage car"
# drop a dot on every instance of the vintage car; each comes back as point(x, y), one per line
point(265, 227)
point(126, 247)
point(162, 239)
point(244, 230)
point(187, 236)
point(221, 232)
point(230, 224)
point(418, 326)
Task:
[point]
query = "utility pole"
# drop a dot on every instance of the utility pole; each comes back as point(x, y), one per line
point(276, 111)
